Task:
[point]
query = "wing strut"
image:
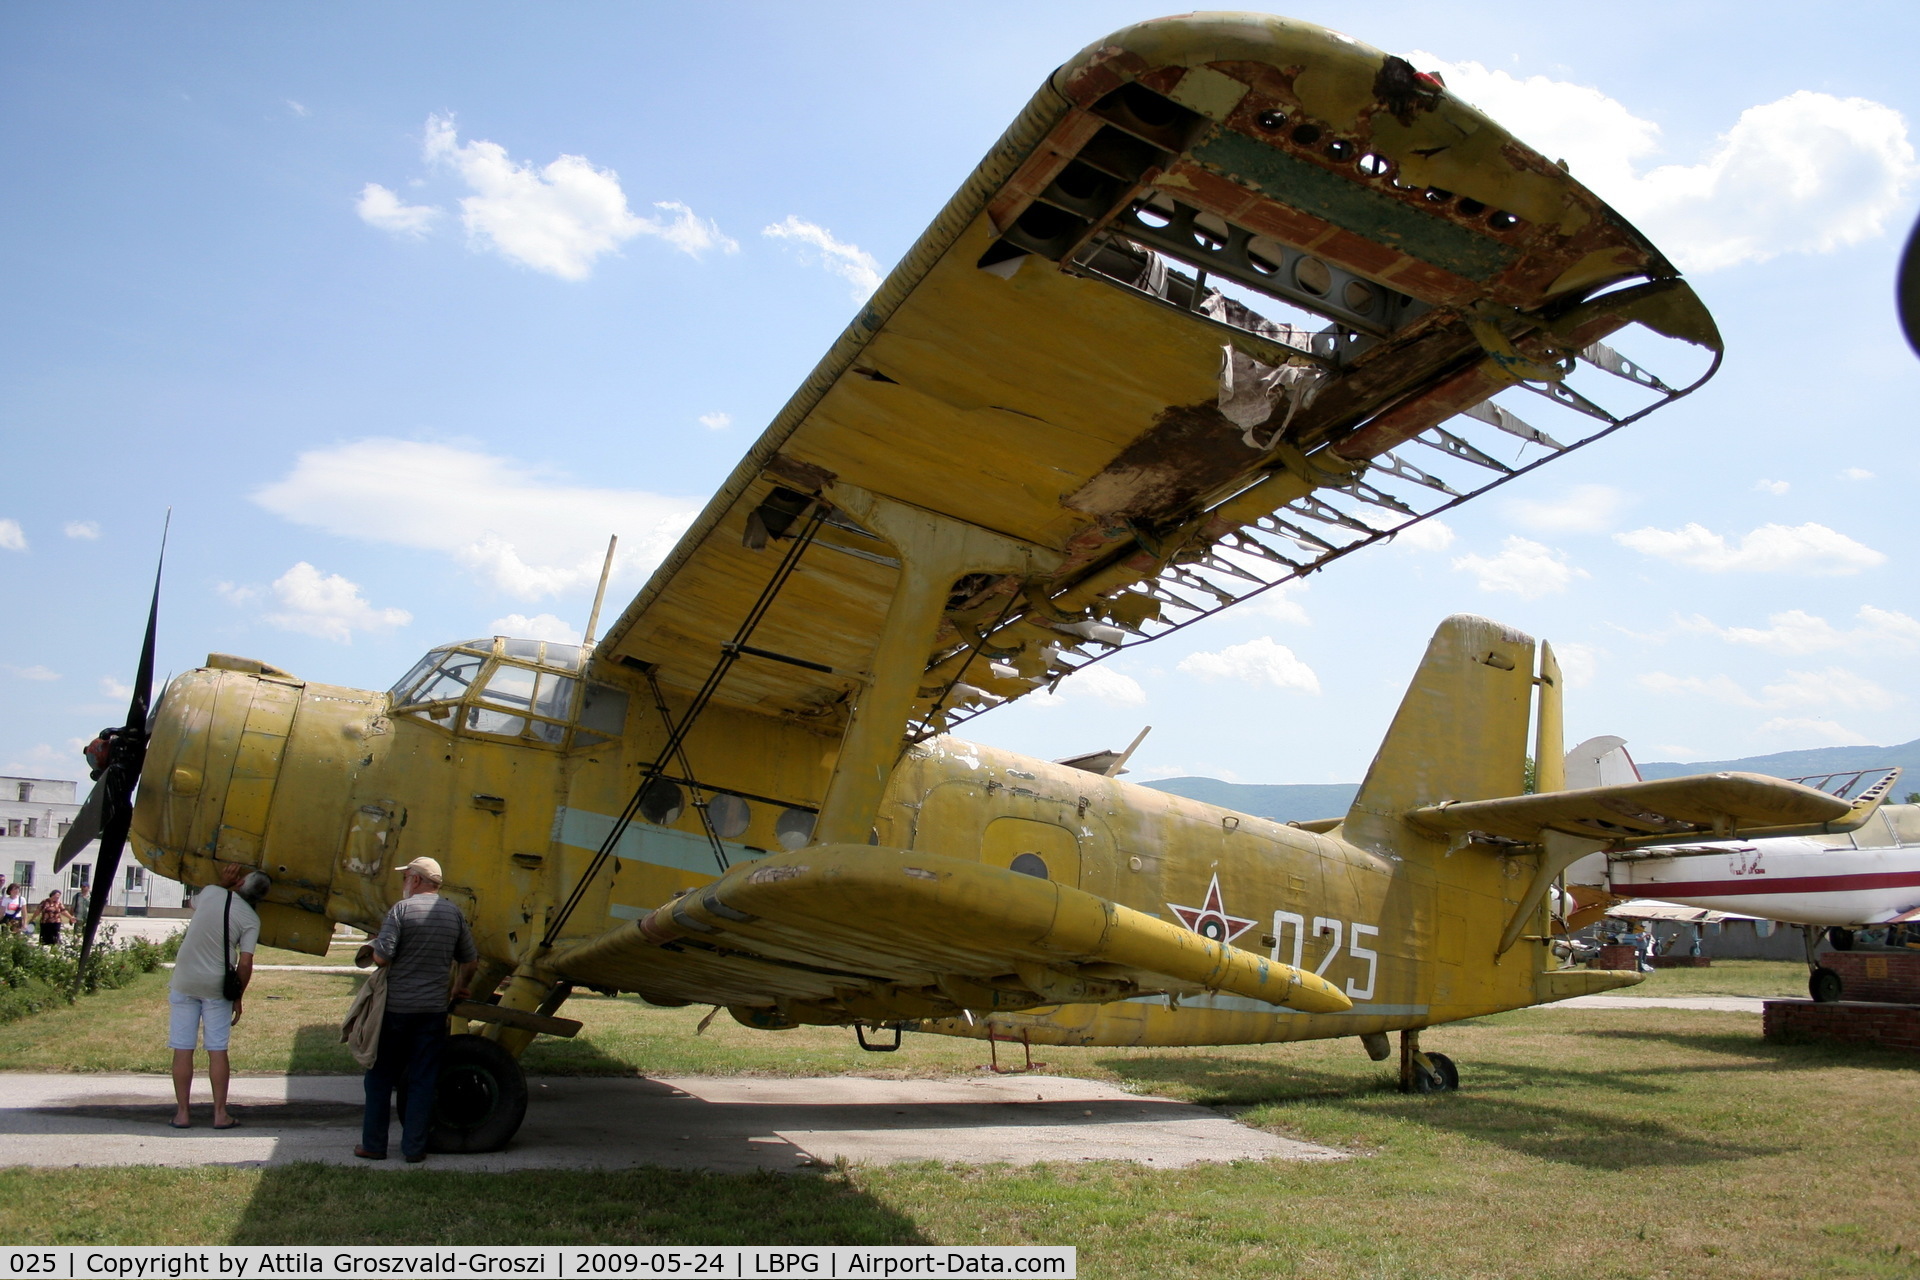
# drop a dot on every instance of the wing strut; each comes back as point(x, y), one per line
point(677, 737)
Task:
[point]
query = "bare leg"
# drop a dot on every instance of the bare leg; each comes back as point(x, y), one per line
point(182, 1084)
point(218, 1073)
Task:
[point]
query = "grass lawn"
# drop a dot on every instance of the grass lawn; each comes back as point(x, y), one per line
point(1591, 1144)
point(1760, 978)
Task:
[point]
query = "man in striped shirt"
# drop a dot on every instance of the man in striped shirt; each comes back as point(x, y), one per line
point(422, 938)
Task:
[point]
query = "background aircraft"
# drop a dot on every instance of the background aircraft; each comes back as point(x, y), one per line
point(1226, 304)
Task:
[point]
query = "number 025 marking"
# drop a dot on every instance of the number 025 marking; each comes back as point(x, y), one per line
point(1323, 926)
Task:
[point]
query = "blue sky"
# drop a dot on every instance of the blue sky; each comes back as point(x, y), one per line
point(404, 309)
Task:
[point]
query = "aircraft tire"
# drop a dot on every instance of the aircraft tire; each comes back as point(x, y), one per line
point(1449, 1074)
point(1824, 985)
point(481, 1097)
point(1433, 1079)
point(1840, 939)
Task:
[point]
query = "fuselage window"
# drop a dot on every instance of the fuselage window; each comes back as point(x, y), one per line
point(730, 816)
point(662, 803)
point(793, 828)
point(1029, 864)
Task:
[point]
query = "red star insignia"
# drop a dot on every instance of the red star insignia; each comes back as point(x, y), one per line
point(1212, 920)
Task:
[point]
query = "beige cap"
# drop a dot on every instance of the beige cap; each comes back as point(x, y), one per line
point(425, 868)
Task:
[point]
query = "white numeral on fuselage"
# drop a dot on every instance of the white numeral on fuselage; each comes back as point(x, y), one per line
point(1325, 926)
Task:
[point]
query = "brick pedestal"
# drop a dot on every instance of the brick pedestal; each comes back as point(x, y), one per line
point(1617, 956)
point(1891, 976)
point(1894, 1026)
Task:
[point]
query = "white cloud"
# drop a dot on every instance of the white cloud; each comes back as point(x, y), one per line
point(379, 207)
point(1772, 548)
point(86, 529)
point(558, 218)
point(1808, 173)
point(1856, 473)
point(1775, 487)
point(1524, 567)
point(327, 606)
point(35, 672)
point(1799, 730)
point(1426, 535)
point(1585, 508)
point(1279, 603)
point(12, 537)
point(1578, 663)
point(1258, 662)
point(114, 688)
point(716, 421)
point(848, 261)
point(542, 626)
point(299, 109)
point(1105, 684)
point(1796, 632)
point(1834, 686)
point(530, 534)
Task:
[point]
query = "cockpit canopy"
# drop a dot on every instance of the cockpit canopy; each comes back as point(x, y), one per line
point(505, 688)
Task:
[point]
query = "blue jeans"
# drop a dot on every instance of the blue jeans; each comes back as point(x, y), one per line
point(409, 1060)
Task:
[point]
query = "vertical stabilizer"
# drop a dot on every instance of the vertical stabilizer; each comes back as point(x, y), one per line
point(1460, 733)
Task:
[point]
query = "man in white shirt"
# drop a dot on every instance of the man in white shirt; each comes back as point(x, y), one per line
point(224, 931)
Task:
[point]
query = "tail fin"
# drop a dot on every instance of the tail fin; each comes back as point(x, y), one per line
point(1460, 733)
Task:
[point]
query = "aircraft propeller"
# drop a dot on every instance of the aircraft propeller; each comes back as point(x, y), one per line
point(114, 759)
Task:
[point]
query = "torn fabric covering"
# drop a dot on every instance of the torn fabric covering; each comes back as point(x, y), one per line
point(1249, 389)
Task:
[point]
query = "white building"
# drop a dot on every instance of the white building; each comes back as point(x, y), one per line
point(34, 814)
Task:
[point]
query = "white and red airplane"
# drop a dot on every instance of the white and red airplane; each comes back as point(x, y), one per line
point(1863, 871)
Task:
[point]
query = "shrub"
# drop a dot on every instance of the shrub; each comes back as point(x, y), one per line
point(33, 977)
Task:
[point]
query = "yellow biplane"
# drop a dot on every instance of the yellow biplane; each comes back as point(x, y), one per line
point(1228, 301)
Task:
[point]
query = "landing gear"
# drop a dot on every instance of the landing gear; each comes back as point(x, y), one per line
point(1425, 1072)
point(481, 1098)
point(1823, 984)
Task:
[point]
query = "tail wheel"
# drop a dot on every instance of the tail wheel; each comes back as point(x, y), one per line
point(1840, 939)
point(1435, 1073)
point(1824, 985)
point(481, 1097)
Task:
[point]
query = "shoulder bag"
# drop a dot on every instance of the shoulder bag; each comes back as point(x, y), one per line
point(230, 986)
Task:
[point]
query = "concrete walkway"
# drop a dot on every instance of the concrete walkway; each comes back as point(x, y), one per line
point(1712, 1004)
point(726, 1124)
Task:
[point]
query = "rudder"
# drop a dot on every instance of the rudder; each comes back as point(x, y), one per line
point(1460, 734)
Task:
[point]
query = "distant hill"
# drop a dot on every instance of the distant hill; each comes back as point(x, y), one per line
point(1282, 803)
point(1307, 801)
point(1799, 764)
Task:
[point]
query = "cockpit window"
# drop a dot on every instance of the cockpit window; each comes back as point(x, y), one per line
point(451, 679)
point(412, 678)
point(508, 688)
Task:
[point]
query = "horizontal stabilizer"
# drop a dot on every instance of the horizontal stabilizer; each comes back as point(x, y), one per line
point(1716, 806)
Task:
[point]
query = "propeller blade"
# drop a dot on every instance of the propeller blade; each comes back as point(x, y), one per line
point(126, 752)
point(85, 829)
point(143, 676)
point(105, 867)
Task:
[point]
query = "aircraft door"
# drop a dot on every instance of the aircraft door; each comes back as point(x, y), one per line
point(1042, 849)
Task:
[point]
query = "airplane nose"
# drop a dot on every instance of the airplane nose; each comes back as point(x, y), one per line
point(218, 737)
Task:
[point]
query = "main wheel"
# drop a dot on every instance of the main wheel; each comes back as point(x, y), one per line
point(1824, 985)
point(1840, 939)
point(1448, 1073)
point(481, 1097)
point(1432, 1075)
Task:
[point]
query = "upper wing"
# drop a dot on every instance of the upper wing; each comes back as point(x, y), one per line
point(1719, 806)
point(1065, 360)
point(840, 931)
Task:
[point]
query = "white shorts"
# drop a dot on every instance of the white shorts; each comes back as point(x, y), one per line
point(190, 1013)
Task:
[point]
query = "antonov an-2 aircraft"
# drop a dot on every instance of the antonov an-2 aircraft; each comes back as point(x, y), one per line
point(1228, 300)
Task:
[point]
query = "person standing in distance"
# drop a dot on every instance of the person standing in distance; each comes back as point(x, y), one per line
point(423, 936)
point(222, 935)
